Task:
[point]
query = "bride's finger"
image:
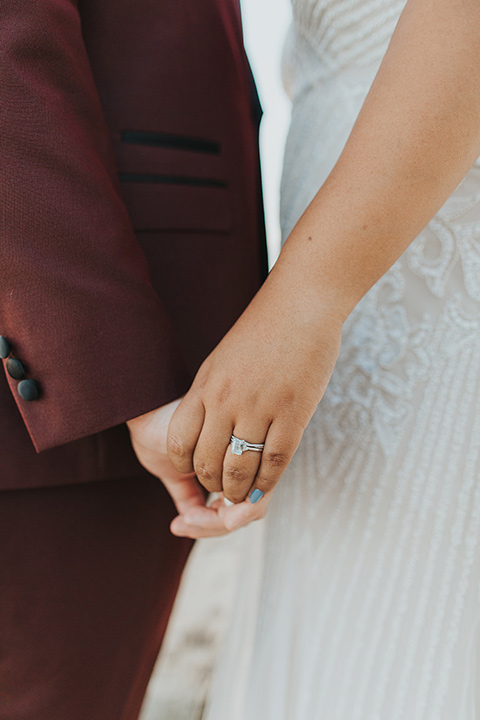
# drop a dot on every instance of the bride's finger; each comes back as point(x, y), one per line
point(183, 432)
point(239, 470)
point(210, 452)
point(280, 445)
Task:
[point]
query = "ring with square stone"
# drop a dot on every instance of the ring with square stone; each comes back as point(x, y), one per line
point(239, 446)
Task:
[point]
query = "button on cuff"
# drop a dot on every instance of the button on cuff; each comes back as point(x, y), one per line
point(28, 390)
point(15, 369)
point(4, 348)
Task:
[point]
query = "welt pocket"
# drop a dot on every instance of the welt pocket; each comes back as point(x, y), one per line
point(160, 158)
point(170, 141)
point(177, 204)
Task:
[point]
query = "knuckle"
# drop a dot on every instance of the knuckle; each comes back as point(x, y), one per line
point(235, 474)
point(204, 473)
point(202, 375)
point(178, 447)
point(224, 392)
point(287, 397)
point(276, 459)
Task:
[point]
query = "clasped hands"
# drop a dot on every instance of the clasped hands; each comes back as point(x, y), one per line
point(262, 383)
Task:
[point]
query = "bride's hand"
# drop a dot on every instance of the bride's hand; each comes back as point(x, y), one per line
point(262, 383)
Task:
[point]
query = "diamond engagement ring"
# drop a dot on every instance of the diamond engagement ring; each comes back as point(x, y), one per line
point(239, 446)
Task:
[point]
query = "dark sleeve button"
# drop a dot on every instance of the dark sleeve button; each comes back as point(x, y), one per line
point(28, 390)
point(4, 348)
point(15, 369)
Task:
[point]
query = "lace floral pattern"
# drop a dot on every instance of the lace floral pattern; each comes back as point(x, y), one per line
point(449, 239)
point(383, 358)
point(387, 350)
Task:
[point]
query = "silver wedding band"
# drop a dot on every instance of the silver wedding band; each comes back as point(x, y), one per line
point(239, 446)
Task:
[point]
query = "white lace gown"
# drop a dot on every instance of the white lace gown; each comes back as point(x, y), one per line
point(360, 593)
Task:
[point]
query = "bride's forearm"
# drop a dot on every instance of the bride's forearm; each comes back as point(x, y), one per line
point(416, 137)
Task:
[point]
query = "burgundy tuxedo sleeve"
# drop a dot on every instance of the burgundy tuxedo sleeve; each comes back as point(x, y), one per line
point(77, 308)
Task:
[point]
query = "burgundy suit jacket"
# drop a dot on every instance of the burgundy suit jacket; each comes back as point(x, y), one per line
point(130, 218)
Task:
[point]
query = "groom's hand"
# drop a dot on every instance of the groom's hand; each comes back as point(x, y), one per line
point(195, 519)
point(148, 434)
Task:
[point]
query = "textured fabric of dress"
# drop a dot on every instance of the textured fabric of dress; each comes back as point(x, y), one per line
point(360, 593)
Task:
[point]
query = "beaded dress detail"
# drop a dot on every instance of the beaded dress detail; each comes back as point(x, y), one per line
point(360, 593)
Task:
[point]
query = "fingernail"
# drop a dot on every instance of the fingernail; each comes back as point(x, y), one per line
point(227, 502)
point(256, 496)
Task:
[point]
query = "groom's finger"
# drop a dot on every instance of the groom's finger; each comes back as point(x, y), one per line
point(202, 523)
point(243, 513)
point(183, 432)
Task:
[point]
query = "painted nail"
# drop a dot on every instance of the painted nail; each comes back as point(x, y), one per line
point(228, 502)
point(256, 496)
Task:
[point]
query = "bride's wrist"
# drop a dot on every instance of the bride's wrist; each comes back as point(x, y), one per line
point(293, 278)
point(336, 275)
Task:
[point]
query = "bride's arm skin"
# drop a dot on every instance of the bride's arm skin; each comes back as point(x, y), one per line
point(416, 137)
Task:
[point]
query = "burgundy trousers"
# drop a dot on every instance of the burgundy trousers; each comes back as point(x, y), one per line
point(88, 575)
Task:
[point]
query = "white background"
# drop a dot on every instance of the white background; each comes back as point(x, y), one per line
point(265, 26)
